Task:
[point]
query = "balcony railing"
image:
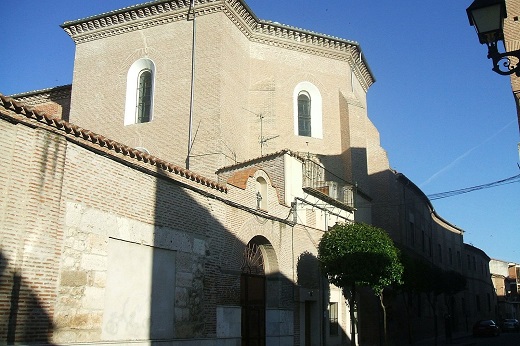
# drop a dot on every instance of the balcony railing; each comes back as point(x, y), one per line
point(314, 178)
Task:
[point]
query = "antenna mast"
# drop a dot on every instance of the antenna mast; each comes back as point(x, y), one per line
point(263, 140)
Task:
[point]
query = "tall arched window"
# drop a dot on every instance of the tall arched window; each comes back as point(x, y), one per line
point(139, 92)
point(304, 114)
point(144, 98)
point(307, 110)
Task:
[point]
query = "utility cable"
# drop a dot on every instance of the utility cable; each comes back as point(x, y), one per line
point(510, 180)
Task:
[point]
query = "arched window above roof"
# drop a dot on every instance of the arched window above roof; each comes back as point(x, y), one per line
point(139, 92)
point(144, 97)
point(304, 114)
point(307, 110)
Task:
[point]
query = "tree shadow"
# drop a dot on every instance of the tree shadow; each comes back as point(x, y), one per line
point(316, 294)
point(23, 317)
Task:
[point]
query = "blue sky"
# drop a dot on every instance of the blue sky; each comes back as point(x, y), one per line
point(446, 120)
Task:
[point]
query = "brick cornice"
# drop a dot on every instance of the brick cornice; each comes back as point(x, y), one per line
point(156, 13)
point(134, 18)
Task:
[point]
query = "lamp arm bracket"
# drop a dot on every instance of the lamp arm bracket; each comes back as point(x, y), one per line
point(502, 63)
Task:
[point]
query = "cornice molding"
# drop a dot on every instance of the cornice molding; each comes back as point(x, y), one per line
point(157, 13)
point(135, 18)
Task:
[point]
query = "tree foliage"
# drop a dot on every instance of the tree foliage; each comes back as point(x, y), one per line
point(358, 254)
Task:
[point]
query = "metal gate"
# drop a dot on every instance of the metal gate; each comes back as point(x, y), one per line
point(252, 297)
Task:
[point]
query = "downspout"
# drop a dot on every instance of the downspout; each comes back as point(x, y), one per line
point(324, 302)
point(192, 95)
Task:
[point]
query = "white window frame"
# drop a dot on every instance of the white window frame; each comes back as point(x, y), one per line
point(316, 108)
point(132, 80)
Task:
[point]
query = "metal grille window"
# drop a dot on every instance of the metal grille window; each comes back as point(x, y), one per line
point(304, 114)
point(412, 233)
point(333, 319)
point(144, 96)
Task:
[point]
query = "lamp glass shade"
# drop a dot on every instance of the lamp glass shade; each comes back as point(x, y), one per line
point(489, 22)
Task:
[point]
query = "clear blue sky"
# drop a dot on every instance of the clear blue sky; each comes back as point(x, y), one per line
point(446, 120)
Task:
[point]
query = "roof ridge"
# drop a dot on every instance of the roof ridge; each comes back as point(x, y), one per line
point(41, 91)
point(71, 129)
point(260, 158)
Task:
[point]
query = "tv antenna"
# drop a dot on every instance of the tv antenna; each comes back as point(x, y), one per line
point(264, 139)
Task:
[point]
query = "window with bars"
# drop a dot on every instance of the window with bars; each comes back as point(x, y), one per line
point(333, 319)
point(144, 97)
point(307, 110)
point(139, 92)
point(412, 233)
point(304, 114)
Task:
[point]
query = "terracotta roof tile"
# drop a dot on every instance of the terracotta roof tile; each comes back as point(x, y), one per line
point(239, 179)
point(18, 108)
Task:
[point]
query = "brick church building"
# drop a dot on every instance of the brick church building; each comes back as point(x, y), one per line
point(176, 192)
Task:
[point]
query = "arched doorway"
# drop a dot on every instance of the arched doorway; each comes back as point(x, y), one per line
point(252, 295)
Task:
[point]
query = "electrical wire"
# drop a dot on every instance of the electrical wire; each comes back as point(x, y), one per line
point(510, 180)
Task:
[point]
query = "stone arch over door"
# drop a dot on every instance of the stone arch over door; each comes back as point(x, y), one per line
point(259, 265)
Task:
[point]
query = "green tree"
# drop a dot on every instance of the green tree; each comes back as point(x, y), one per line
point(358, 254)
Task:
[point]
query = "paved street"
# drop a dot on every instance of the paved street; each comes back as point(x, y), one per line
point(504, 339)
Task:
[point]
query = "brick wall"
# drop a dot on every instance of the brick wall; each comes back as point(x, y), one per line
point(30, 219)
point(54, 102)
point(243, 92)
point(65, 199)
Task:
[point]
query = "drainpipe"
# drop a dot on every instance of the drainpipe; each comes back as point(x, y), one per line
point(190, 141)
point(324, 302)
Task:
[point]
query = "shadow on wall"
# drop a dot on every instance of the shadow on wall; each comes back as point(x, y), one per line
point(309, 277)
point(173, 277)
point(62, 95)
point(308, 272)
point(199, 276)
point(162, 280)
point(24, 319)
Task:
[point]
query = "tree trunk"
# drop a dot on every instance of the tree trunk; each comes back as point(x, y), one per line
point(353, 308)
point(385, 335)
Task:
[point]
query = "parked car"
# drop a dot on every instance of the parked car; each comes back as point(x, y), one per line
point(511, 324)
point(486, 328)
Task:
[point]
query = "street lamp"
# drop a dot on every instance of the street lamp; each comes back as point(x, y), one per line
point(487, 16)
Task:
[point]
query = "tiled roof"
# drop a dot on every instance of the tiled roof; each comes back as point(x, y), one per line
point(69, 129)
point(239, 179)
